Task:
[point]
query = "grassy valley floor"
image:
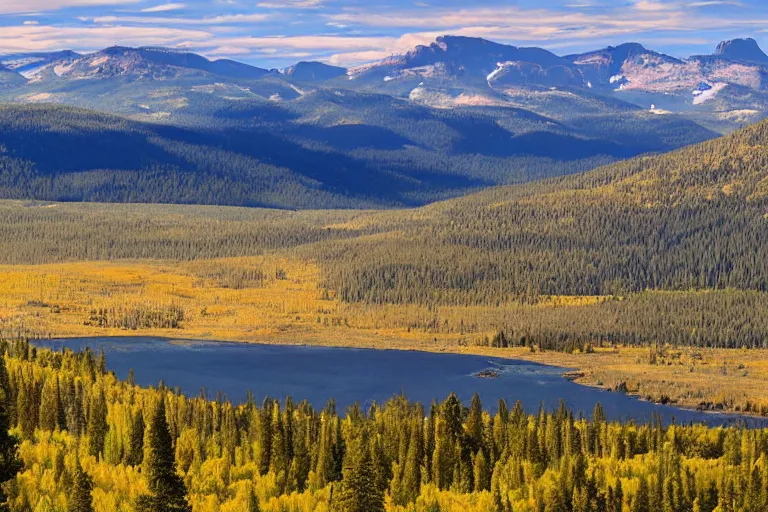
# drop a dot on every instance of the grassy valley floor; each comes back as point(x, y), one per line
point(277, 299)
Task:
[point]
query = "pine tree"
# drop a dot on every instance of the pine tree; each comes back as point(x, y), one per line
point(25, 407)
point(443, 460)
point(359, 490)
point(168, 492)
point(10, 464)
point(253, 503)
point(482, 472)
point(51, 410)
point(642, 501)
point(265, 436)
point(135, 454)
point(279, 462)
point(474, 425)
point(80, 499)
point(97, 423)
point(411, 482)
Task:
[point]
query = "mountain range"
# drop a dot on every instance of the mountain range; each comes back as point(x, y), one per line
point(729, 84)
point(458, 115)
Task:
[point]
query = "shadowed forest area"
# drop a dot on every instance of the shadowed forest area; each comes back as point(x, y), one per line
point(374, 152)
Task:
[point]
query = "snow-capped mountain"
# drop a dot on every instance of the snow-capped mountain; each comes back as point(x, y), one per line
point(470, 60)
point(451, 72)
point(610, 66)
point(27, 64)
point(134, 63)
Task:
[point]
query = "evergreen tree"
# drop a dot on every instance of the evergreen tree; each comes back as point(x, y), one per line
point(642, 501)
point(265, 436)
point(359, 491)
point(10, 464)
point(253, 502)
point(135, 452)
point(80, 499)
point(97, 423)
point(279, 461)
point(474, 425)
point(26, 407)
point(51, 410)
point(167, 490)
point(411, 480)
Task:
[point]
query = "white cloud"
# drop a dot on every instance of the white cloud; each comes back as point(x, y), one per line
point(649, 21)
point(27, 6)
point(291, 4)
point(154, 20)
point(164, 8)
point(44, 37)
point(653, 6)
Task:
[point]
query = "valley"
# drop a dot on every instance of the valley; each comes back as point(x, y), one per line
point(468, 277)
point(440, 121)
point(215, 300)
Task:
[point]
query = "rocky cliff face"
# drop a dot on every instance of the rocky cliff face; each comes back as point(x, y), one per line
point(741, 50)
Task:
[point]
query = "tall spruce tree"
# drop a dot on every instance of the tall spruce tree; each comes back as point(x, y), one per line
point(135, 453)
point(10, 464)
point(167, 490)
point(359, 491)
point(80, 498)
point(51, 410)
point(97, 423)
point(253, 502)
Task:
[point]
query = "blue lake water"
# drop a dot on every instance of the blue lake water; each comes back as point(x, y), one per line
point(359, 375)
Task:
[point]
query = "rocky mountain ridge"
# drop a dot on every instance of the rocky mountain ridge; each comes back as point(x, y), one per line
point(728, 87)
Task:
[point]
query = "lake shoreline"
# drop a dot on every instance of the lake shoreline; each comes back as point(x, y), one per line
point(561, 372)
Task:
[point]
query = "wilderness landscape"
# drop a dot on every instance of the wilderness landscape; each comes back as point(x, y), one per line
point(498, 218)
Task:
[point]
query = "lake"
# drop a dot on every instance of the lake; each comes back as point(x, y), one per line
point(361, 375)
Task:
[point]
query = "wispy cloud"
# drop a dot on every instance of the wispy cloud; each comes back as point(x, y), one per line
point(160, 21)
point(26, 6)
point(164, 8)
point(45, 37)
point(350, 32)
point(291, 4)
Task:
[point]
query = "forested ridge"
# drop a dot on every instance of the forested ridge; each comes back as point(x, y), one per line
point(691, 219)
point(328, 149)
point(673, 243)
point(91, 442)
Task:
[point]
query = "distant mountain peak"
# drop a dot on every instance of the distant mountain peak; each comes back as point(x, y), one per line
point(314, 71)
point(155, 63)
point(745, 50)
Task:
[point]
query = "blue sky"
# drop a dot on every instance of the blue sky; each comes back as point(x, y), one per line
point(274, 33)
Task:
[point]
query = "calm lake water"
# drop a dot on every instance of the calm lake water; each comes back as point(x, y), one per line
point(359, 375)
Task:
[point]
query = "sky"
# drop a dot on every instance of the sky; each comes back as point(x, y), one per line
point(277, 33)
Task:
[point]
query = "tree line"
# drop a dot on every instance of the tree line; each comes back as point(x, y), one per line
point(92, 442)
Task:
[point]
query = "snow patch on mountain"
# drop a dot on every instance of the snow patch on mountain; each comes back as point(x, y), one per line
point(702, 96)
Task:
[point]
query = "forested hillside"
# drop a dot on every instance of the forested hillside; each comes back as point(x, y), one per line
point(325, 150)
point(688, 226)
point(91, 441)
point(692, 219)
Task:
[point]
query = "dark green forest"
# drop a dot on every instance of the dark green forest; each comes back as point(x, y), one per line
point(675, 243)
point(326, 150)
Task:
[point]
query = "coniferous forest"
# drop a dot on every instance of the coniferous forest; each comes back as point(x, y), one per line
point(382, 153)
point(84, 441)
